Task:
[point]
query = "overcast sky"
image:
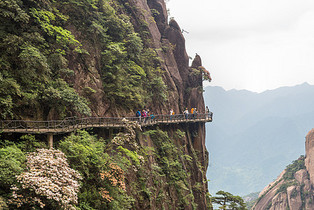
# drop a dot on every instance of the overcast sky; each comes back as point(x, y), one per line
point(250, 44)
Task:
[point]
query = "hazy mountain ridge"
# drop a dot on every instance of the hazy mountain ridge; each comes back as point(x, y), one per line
point(255, 135)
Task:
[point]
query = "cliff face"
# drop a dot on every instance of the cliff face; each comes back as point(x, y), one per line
point(184, 83)
point(111, 58)
point(294, 188)
point(184, 90)
point(184, 87)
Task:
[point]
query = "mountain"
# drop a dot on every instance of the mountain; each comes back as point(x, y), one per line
point(253, 136)
point(294, 187)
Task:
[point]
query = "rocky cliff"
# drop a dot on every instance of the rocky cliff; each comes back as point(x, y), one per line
point(184, 83)
point(110, 58)
point(294, 187)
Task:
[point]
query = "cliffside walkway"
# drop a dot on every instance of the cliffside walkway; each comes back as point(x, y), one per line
point(71, 124)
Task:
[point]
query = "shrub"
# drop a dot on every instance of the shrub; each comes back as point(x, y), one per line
point(48, 181)
point(12, 161)
point(28, 143)
point(103, 186)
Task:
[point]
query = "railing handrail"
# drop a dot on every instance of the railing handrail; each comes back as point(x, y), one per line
point(74, 123)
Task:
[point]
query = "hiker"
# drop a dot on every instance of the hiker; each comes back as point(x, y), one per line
point(186, 113)
point(144, 115)
point(147, 115)
point(207, 112)
point(171, 113)
point(138, 114)
point(152, 116)
point(195, 113)
point(192, 113)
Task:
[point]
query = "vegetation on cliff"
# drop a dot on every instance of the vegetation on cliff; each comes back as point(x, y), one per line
point(292, 168)
point(39, 40)
point(115, 173)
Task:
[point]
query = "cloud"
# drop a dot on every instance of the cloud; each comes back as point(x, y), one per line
point(250, 44)
point(234, 19)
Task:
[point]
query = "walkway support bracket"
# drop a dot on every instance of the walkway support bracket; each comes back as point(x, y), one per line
point(50, 140)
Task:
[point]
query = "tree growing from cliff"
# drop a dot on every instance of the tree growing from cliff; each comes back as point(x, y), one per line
point(47, 182)
point(228, 201)
point(205, 73)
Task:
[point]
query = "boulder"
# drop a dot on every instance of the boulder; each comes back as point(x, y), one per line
point(294, 197)
point(279, 202)
point(301, 176)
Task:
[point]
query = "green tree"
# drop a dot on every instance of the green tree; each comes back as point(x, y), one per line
point(228, 201)
point(34, 46)
point(103, 177)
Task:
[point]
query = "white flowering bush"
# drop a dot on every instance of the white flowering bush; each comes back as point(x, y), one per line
point(48, 181)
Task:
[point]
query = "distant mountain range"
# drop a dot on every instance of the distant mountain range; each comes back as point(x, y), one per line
point(254, 136)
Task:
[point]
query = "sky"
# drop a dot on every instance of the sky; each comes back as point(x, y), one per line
point(250, 44)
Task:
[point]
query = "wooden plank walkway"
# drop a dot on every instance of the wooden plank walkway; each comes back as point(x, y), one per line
point(72, 124)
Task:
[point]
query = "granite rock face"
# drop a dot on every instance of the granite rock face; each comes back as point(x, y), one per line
point(296, 192)
point(309, 160)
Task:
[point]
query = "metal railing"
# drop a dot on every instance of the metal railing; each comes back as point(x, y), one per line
point(70, 124)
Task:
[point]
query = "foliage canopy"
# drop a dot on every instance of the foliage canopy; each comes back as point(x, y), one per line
point(39, 41)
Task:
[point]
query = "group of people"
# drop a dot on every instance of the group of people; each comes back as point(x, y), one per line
point(191, 115)
point(194, 113)
point(145, 114)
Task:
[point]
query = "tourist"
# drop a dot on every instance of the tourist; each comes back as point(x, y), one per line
point(192, 113)
point(207, 112)
point(171, 113)
point(138, 114)
point(186, 113)
point(195, 113)
point(147, 115)
point(144, 114)
point(152, 116)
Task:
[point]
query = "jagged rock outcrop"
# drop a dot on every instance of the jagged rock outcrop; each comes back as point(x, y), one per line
point(309, 160)
point(184, 86)
point(294, 188)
